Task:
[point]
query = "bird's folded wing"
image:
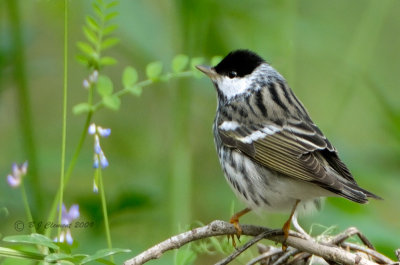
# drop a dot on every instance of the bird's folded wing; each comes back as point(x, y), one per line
point(297, 149)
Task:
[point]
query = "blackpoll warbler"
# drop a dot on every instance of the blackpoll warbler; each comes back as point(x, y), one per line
point(273, 155)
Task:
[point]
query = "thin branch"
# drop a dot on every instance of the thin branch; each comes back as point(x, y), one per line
point(290, 252)
point(218, 228)
point(267, 254)
point(240, 250)
point(351, 231)
point(378, 256)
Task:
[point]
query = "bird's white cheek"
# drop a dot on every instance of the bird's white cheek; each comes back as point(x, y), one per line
point(233, 87)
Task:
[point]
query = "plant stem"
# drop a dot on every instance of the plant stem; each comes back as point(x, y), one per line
point(64, 122)
point(26, 205)
point(144, 83)
point(104, 207)
point(71, 167)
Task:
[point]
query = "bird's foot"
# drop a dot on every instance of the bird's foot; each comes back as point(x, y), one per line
point(235, 221)
point(286, 229)
point(286, 226)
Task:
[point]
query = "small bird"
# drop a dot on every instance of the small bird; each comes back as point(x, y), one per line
point(273, 155)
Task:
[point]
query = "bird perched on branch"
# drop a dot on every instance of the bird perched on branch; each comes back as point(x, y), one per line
point(273, 155)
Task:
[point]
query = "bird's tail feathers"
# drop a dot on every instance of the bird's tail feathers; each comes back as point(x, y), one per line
point(355, 193)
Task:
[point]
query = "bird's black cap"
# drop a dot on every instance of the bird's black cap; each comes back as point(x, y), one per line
point(242, 62)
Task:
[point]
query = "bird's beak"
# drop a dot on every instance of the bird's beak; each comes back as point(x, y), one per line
point(208, 70)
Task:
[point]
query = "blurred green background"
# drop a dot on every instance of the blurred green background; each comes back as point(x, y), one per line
point(341, 58)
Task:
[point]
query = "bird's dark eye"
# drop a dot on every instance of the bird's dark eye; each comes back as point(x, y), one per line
point(232, 74)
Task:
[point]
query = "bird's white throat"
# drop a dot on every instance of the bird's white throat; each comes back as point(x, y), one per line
point(232, 87)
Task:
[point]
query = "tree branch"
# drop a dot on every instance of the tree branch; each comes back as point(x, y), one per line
point(217, 228)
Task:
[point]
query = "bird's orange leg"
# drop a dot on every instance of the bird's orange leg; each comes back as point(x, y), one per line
point(286, 226)
point(235, 221)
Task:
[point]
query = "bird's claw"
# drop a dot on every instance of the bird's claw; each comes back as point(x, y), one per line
point(285, 228)
point(235, 222)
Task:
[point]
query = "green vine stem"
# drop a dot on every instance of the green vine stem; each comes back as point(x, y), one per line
point(94, 108)
point(145, 83)
point(26, 205)
point(104, 207)
point(70, 169)
point(64, 122)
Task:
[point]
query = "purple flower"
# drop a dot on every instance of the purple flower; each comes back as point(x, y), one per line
point(66, 218)
point(97, 147)
point(94, 76)
point(103, 160)
point(65, 235)
point(92, 129)
point(86, 84)
point(18, 171)
point(96, 161)
point(103, 132)
point(95, 187)
point(99, 157)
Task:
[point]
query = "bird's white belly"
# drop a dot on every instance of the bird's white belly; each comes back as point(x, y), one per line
point(263, 189)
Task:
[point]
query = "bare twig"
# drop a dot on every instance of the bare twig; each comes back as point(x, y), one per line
point(290, 252)
point(217, 228)
point(378, 256)
point(267, 254)
point(240, 250)
point(349, 232)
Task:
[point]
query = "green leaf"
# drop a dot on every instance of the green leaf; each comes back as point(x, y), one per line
point(86, 48)
point(109, 42)
point(104, 253)
point(57, 256)
point(97, 10)
point(64, 247)
point(153, 70)
point(109, 29)
point(112, 4)
point(129, 77)
point(90, 35)
point(104, 86)
point(65, 262)
point(135, 90)
point(78, 257)
point(92, 23)
point(36, 239)
point(13, 253)
point(196, 61)
point(179, 63)
point(110, 16)
point(215, 60)
point(81, 108)
point(82, 59)
point(112, 102)
point(105, 261)
point(107, 61)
